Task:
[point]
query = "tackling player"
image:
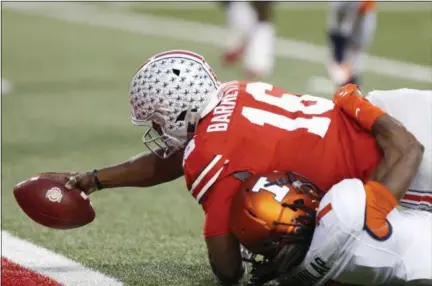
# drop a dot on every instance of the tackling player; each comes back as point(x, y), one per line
point(241, 126)
point(354, 235)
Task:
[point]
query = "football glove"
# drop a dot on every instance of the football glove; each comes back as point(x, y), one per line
point(351, 101)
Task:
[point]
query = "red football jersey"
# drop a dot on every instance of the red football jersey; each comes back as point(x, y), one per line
point(258, 127)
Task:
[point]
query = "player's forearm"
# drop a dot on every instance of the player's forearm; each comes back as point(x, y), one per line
point(391, 156)
point(224, 278)
point(402, 173)
point(402, 155)
point(225, 258)
point(143, 170)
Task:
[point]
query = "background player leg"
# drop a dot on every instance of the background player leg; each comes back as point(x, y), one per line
point(351, 26)
point(241, 17)
point(259, 54)
point(361, 38)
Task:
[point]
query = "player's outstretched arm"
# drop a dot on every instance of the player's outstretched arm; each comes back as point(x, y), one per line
point(402, 155)
point(143, 170)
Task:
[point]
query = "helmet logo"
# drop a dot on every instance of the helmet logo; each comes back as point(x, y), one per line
point(280, 191)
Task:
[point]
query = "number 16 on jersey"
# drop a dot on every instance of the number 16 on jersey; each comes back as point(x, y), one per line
point(307, 104)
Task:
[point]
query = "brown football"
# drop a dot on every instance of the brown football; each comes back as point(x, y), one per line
point(49, 203)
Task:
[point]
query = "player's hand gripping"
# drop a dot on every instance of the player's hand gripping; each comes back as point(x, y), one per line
point(350, 100)
point(344, 93)
point(83, 181)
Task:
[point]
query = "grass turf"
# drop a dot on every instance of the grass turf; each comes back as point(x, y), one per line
point(69, 111)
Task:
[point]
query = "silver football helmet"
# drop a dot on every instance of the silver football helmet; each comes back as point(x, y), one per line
point(170, 93)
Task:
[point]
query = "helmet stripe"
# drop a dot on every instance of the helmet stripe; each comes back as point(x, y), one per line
point(181, 52)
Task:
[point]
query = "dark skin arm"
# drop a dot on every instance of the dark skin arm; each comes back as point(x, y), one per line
point(143, 170)
point(225, 259)
point(402, 151)
point(402, 155)
point(223, 249)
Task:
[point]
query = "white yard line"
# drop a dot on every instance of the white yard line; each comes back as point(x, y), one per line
point(204, 33)
point(319, 84)
point(53, 265)
point(6, 86)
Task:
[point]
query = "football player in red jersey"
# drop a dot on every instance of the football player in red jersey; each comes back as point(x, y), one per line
point(208, 131)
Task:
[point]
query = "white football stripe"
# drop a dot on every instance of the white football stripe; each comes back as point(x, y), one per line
point(209, 184)
point(205, 172)
point(416, 202)
point(53, 265)
point(419, 193)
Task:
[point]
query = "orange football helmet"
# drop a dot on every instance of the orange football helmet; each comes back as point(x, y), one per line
point(274, 209)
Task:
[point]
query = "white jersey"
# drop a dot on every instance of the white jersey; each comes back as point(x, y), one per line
point(413, 108)
point(346, 249)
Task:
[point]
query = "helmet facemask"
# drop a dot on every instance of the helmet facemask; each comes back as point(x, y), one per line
point(301, 228)
point(283, 252)
point(289, 249)
point(163, 143)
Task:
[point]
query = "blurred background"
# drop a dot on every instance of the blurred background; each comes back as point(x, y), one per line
point(66, 69)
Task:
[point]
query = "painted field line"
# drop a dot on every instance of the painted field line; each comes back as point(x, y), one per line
point(322, 85)
point(204, 33)
point(6, 86)
point(13, 274)
point(50, 264)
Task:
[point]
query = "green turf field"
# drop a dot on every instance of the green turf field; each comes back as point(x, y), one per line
point(69, 111)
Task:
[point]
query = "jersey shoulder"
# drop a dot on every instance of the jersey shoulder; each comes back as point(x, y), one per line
point(203, 164)
point(217, 121)
point(347, 200)
point(217, 136)
point(340, 217)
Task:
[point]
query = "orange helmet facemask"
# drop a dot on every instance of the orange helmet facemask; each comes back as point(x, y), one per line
point(275, 211)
